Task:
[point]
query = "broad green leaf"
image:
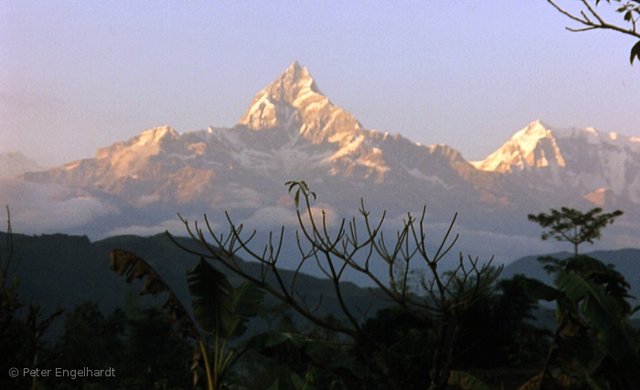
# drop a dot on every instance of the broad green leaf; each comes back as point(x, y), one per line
point(217, 306)
point(299, 382)
point(247, 299)
point(635, 52)
point(598, 273)
point(573, 285)
point(537, 290)
point(466, 381)
point(275, 385)
point(211, 296)
point(265, 341)
point(287, 380)
point(134, 267)
point(602, 312)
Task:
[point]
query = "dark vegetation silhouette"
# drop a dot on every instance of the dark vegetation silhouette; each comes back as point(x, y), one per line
point(445, 328)
point(414, 279)
point(454, 327)
point(21, 326)
point(447, 321)
point(139, 342)
point(574, 226)
point(593, 345)
point(589, 16)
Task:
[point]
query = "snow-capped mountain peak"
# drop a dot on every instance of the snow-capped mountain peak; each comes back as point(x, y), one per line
point(275, 105)
point(581, 160)
point(539, 145)
point(535, 146)
point(292, 84)
point(528, 138)
point(293, 102)
point(292, 131)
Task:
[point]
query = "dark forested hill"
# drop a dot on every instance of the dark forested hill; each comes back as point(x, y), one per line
point(625, 261)
point(62, 271)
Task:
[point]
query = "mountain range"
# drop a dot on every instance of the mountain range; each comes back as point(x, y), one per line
point(291, 131)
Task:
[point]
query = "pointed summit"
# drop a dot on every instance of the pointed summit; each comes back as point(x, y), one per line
point(528, 137)
point(294, 77)
point(274, 105)
point(294, 103)
point(534, 146)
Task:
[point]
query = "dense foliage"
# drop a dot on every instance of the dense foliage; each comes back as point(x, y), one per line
point(244, 341)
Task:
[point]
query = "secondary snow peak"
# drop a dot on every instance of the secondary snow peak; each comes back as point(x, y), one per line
point(534, 146)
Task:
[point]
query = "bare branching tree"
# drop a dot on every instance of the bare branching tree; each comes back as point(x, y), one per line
point(589, 17)
point(440, 294)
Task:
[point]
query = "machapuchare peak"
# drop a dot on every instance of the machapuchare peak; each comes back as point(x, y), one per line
point(295, 75)
point(294, 103)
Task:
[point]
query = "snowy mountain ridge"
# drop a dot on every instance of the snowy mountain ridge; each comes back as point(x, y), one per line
point(537, 146)
point(534, 146)
point(582, 160)
point(291, 131)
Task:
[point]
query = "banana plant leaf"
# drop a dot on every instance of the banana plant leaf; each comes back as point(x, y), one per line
point(217, 305)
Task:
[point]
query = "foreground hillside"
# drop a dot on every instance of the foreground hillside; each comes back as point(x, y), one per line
point(625, 261)
point(389, 348)
point(62, 271)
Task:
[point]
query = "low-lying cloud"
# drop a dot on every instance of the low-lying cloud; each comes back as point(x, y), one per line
point(173, 226)
point(50, 208)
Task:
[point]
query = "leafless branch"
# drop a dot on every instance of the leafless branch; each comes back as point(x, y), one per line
point(597, 21)
point(352, 244)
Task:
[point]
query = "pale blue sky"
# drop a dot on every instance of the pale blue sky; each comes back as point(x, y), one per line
point(78, 75)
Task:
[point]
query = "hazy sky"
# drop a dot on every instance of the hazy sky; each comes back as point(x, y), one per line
point(78, 75)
